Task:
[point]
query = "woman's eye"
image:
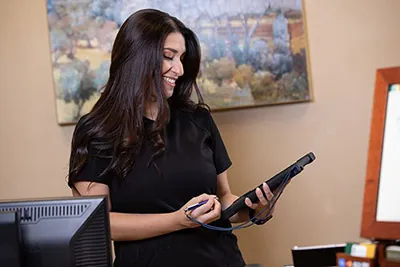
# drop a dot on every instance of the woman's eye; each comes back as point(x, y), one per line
point(169, 58)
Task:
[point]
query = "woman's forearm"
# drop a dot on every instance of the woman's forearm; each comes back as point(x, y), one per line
point(125, 227)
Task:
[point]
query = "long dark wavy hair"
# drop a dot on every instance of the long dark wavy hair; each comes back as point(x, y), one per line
point(115, 123)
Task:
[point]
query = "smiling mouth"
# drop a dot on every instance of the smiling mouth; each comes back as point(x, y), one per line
point(170, 81)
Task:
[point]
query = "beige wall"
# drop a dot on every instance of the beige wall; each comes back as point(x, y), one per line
point(348, 40)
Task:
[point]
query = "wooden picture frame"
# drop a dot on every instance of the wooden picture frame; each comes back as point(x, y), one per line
point(370, 227)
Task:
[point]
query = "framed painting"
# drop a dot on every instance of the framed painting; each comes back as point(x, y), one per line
point(252, 54)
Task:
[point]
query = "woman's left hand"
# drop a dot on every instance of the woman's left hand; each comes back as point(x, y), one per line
point(262, 201)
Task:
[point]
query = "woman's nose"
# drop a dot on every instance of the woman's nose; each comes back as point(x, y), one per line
point(178, 68)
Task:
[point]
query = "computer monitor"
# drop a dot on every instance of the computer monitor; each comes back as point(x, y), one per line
point(316, 256)
point(10, 239)
point(62, 232)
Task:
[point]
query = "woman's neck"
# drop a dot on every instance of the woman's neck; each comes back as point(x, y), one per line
point(151, 110)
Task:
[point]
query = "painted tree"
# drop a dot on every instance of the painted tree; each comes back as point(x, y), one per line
point(76, 84)
point(281, 60)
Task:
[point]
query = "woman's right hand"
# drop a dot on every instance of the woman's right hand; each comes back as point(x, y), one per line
point(206, 213)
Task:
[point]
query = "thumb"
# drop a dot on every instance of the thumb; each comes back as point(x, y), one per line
point(250, 204)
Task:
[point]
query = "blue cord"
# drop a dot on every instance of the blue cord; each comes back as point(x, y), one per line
point(248, 223)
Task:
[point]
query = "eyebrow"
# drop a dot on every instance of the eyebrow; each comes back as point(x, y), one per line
point(173, 50)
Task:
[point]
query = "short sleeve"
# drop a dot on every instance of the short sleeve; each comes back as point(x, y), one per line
point(93, 170)
point(221, 158)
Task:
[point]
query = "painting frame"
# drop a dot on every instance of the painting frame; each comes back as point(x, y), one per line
point(371, 227)
point(257, 79)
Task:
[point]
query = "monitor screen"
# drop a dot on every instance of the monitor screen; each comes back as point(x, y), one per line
point(316, 256)
point(10, 239)
point(63, 232)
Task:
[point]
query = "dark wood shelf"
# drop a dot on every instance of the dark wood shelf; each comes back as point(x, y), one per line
point(386, 263)
point(372, 262)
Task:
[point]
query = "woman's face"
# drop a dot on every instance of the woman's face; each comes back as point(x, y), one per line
point(172, 68)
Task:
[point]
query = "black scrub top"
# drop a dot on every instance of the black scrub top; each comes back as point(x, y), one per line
point(195, 154)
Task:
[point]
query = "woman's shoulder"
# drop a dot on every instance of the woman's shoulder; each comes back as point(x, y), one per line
point(82, 126)
point(96, 143)
point(203, 111)
point(199, 114)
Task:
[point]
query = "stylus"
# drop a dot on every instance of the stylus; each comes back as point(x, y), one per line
point(195, 206)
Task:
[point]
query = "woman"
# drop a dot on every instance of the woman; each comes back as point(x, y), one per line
point(154, 152)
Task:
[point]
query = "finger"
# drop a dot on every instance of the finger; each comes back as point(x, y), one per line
point(200, 198)
point(261, 197)
point(212, 215)
point(203, 208)
point(267, 191)
point(250, 204)
point(204, 196)
point(217, 209)
point(196, 200)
